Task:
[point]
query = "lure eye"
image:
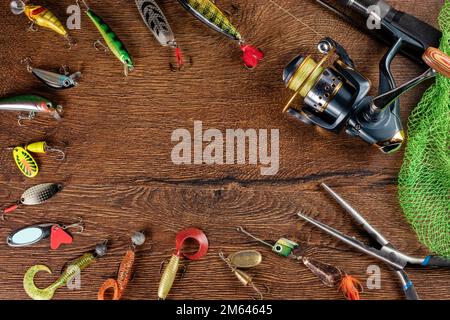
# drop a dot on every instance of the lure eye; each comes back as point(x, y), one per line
point(67, 83)
point(49, 105)
point(278, 248)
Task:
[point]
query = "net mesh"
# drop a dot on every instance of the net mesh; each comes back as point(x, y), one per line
point(424, 181)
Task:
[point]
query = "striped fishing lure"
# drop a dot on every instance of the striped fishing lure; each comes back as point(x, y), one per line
point(112, 40)
point(40, 16)
point(208, 13)
point(25, 162)
point(157, 23)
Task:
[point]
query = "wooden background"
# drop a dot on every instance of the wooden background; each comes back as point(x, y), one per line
point(119, 176)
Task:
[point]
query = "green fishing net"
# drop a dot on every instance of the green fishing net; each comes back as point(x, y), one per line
point(424, 181)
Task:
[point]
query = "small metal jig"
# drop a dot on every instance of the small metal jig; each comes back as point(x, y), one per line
point(34, 196)
point(242, 276)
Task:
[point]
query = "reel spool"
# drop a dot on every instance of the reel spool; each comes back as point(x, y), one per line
point(336, 97)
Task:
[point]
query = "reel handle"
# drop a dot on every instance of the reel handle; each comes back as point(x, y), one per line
point(437, 60)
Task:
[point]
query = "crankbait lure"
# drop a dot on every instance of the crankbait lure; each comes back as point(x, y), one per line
point(329, 275)
point(125, 270)
point(69, 273)
point(208, 13)
point(244, 259)
point(157, 23)
point(41, 16)
point(58, 234)
point(25, 161)
point(32, 104)
point(54, 80)
point(34, 196)
point(112, 40)
point(169, 274)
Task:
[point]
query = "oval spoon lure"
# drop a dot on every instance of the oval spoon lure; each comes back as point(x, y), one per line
point(157, 23)
point(30, 235)
point(34, 196)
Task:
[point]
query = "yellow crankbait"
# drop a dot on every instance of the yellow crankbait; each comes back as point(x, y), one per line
point(42, 17)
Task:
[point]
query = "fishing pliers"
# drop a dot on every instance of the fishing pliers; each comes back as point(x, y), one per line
point(394, 258)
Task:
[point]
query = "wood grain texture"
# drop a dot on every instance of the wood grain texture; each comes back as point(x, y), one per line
point(119, 177)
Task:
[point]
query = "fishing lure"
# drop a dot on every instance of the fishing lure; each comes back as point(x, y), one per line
point(329, 275)
point(58, 234)
point(73, 270)
point(241, 260)
point(245, 259)
point(41, 16)
point(32, 104)
point(125, 270)
point(112, 40)
point(169, 274)
point(157, 23)
point(208, 13)
point(62, 80)
point(25, 161)
point(34, 196)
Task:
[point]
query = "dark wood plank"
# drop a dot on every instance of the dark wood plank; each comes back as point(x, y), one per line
point(119, 176)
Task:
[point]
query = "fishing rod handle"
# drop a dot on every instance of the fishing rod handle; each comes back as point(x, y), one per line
point(437, 60)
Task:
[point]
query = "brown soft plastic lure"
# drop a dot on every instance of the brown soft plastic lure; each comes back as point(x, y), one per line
point(125, 271)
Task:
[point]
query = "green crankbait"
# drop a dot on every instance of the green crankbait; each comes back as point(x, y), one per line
point(112, 40)
point(208, 13)
point(69, 273)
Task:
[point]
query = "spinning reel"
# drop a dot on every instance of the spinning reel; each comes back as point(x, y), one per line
point(336, 97)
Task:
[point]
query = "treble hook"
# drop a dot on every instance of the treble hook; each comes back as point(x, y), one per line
point(78, 225)
point(171, 270)
point(100, 43)
point(242, 276)
point(125, 271)
point(32, 27)
point(71, 42)
point(9, 209)
point(27, 61)
point(21, 118)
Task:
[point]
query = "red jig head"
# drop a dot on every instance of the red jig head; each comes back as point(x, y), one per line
point(195, 234)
